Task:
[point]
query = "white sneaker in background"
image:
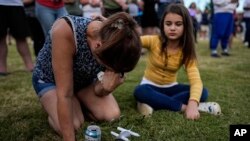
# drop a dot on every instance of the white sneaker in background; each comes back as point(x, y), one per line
point(144, 109)
point(210, 107)
point(246, 44)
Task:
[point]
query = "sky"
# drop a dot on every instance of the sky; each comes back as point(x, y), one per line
point(202, 3)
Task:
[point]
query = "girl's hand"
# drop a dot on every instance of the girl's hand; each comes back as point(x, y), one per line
point(191, 111)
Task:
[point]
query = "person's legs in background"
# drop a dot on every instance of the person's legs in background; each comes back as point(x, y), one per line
point(19, 30)
point(247, 34)
point(228, 30)
point(3, 45)
point(14, 22)
point(214, 39)
point(23, 49)
point(3, 56)
point(37, 35)
point(161, 8)
point(47, 16)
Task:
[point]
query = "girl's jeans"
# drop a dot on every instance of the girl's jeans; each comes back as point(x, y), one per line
point(170, 98)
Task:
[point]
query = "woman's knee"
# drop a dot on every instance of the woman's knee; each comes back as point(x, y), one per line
point(108, 115)
point(77, 123)
point(115, 114)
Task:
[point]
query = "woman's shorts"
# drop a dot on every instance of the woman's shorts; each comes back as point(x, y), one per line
point(41, 87)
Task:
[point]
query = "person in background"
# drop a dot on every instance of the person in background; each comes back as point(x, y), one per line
point(246, 16)
point(134, 11)
point(211, 17)
point(204, 30)
point(47, 11)
point(13, 22)
point(162, 4)
point(193, 11)
point(111, 7)
point(236, 28)
point(91, 8)
point(167, 53)
point(149, 19)
point(35, 29)
point(81, 64)
point(222, 26)
point(73, 7)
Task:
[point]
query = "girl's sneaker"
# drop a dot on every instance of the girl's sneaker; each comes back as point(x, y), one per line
point(210, 107)
point(144, 109)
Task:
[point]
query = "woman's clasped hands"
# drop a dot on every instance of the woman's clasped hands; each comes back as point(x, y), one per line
point(109, 82)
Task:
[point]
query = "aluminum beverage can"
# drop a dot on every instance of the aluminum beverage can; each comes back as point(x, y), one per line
point(93, 133)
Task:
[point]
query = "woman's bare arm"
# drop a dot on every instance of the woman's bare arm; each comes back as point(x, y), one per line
point(63, 49)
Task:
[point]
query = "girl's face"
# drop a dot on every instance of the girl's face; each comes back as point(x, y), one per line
point(173, 26)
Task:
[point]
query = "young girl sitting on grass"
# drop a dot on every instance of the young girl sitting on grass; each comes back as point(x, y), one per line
point(167, 53)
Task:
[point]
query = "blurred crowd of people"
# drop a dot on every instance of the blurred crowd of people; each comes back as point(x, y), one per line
point(218, 22)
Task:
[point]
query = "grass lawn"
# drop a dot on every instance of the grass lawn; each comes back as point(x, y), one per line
point(226, 78)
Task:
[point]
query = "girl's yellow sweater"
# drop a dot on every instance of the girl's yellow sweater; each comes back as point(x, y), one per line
point(163, 71)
